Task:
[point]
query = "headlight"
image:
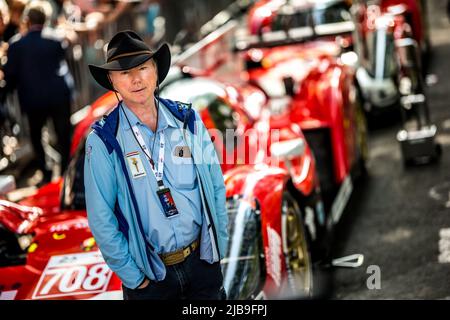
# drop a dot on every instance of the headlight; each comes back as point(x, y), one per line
point(242, 267)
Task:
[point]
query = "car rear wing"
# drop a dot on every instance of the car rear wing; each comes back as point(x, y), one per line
point(244, 41)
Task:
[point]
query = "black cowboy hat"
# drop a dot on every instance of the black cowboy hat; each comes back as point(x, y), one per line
point(127, 50)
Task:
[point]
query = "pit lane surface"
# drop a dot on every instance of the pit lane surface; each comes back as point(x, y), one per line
point(398, 217)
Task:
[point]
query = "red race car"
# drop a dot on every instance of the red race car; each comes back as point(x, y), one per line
point(384, 32)
point(300, 58)
point(274, 204)
point(375, 30)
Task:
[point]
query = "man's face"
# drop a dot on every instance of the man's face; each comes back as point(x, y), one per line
point(136, 85)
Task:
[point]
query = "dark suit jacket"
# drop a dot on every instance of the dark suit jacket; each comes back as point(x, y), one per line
point(36, 66)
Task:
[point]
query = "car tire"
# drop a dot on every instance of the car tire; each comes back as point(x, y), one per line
point(298, 282)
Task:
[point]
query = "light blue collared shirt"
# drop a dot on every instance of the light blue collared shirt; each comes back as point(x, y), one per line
point(164, 234)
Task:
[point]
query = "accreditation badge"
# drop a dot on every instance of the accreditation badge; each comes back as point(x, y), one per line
point(135, 164)
point(168, 205)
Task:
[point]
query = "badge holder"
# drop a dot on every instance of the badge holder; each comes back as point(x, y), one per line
point(166, 199)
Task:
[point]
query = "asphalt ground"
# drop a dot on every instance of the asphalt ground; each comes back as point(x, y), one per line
point(397, 216)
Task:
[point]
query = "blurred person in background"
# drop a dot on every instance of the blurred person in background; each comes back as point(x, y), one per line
point(37, 68)
point(64, 11)
point(110, 11)
point(4, 18)
point(16, 8)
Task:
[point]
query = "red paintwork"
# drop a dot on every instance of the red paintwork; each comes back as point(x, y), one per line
point(325, 88)
point(397, 23)
point(254, 183)
point(46, 198)
point(413, 8)
point(28, 275)
point(97, 109)
point(399, 19)
point(261, 14)
point(20, 219)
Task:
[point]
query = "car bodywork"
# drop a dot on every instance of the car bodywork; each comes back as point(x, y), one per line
point(309, 77)
point(381, 27)
point(375, 26)
point(275, 15)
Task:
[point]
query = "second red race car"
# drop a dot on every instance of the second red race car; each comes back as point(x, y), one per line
point(299, 55)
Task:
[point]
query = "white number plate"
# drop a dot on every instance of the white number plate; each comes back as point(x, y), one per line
point(73, 274)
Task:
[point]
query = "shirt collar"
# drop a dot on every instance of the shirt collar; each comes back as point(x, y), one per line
point(164, 120)
point(35, 28)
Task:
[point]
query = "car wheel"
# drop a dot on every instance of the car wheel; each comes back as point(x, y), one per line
point(299, 279)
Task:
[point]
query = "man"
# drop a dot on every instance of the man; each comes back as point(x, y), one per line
point(155, 193)
point(36, 66)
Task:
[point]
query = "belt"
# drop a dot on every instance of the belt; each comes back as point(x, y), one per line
point(179, 255)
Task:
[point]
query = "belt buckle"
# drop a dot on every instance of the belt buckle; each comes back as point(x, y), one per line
point(173, 258)
point(180, 255)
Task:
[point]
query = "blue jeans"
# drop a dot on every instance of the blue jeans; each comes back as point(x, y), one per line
point(192, 279)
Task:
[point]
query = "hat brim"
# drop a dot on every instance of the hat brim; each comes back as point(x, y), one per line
point(161, 56)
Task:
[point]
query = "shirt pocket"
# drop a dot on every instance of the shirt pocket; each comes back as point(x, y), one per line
point(184, 172)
